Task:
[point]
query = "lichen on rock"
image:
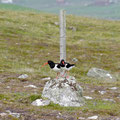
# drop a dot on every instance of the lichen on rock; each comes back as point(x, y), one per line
point(65, 92)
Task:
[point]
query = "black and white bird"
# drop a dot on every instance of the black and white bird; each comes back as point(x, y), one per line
point(66, 66)
point(54, 66)
point(59, 67)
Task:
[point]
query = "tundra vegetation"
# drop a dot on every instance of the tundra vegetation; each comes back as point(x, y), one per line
point(28, 39)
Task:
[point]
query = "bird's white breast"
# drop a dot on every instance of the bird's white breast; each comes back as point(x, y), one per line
point(56, 68)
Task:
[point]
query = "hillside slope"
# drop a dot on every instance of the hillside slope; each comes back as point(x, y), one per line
point(28, 40)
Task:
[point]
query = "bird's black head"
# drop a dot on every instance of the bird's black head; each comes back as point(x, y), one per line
point(62, 63)
point(50, 62)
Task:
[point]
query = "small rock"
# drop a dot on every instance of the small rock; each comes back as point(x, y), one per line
point(32, 86)
point(110, 100)
point(101, 54)
point(3, 114)
point(113, 88)
point(88, 98)
point(109, 75)
point(48, 78)
point(40, 102)
point(16, 115)
point(118, 118)
point(118, 96)
point(93, 117)
point(60, 113)
point(28, 63)
point(56, 23)
point(8, 87)
point(74, 59)
point(24, 76)
point(102, 92)
point(25, 25)
point(92, 91)
point(81, 118)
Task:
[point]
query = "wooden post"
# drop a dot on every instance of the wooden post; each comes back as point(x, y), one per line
point(62, 35)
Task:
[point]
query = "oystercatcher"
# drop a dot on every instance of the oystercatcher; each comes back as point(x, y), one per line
point(66, 66)
point(62, 64)
point(54, 66)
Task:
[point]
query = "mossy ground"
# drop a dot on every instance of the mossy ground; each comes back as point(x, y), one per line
point(28, 40)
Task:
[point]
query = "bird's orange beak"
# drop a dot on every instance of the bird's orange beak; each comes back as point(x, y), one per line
point(44, 64)
point(63, 62)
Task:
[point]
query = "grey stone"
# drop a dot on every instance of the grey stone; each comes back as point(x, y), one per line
point(118, 118)
point(113, 88)
point(118, 96)
point(40, 102)
point(88, 97)
point(24, 76)
point(16, 115)
point(102, 92)
point(110, 100)
point(65, 92)
point(56, 23)
point(81, 118)
point(75, 60)
point(93, 117)
point(32, 86)
point(8, 87)
point(48, 78)
point(101, 74)
point(3, 114)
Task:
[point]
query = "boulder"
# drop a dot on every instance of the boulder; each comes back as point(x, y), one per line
point(65, 92)
point(101, 74)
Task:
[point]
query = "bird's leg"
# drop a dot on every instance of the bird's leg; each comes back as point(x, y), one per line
point(64, 74)
point(67, 75)
point(57, 76)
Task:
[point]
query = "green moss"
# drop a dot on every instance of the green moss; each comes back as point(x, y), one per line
point(34, 97)
point(4, 97)
point(29, 99)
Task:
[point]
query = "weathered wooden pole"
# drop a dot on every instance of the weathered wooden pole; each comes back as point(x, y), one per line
point(62, 35)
